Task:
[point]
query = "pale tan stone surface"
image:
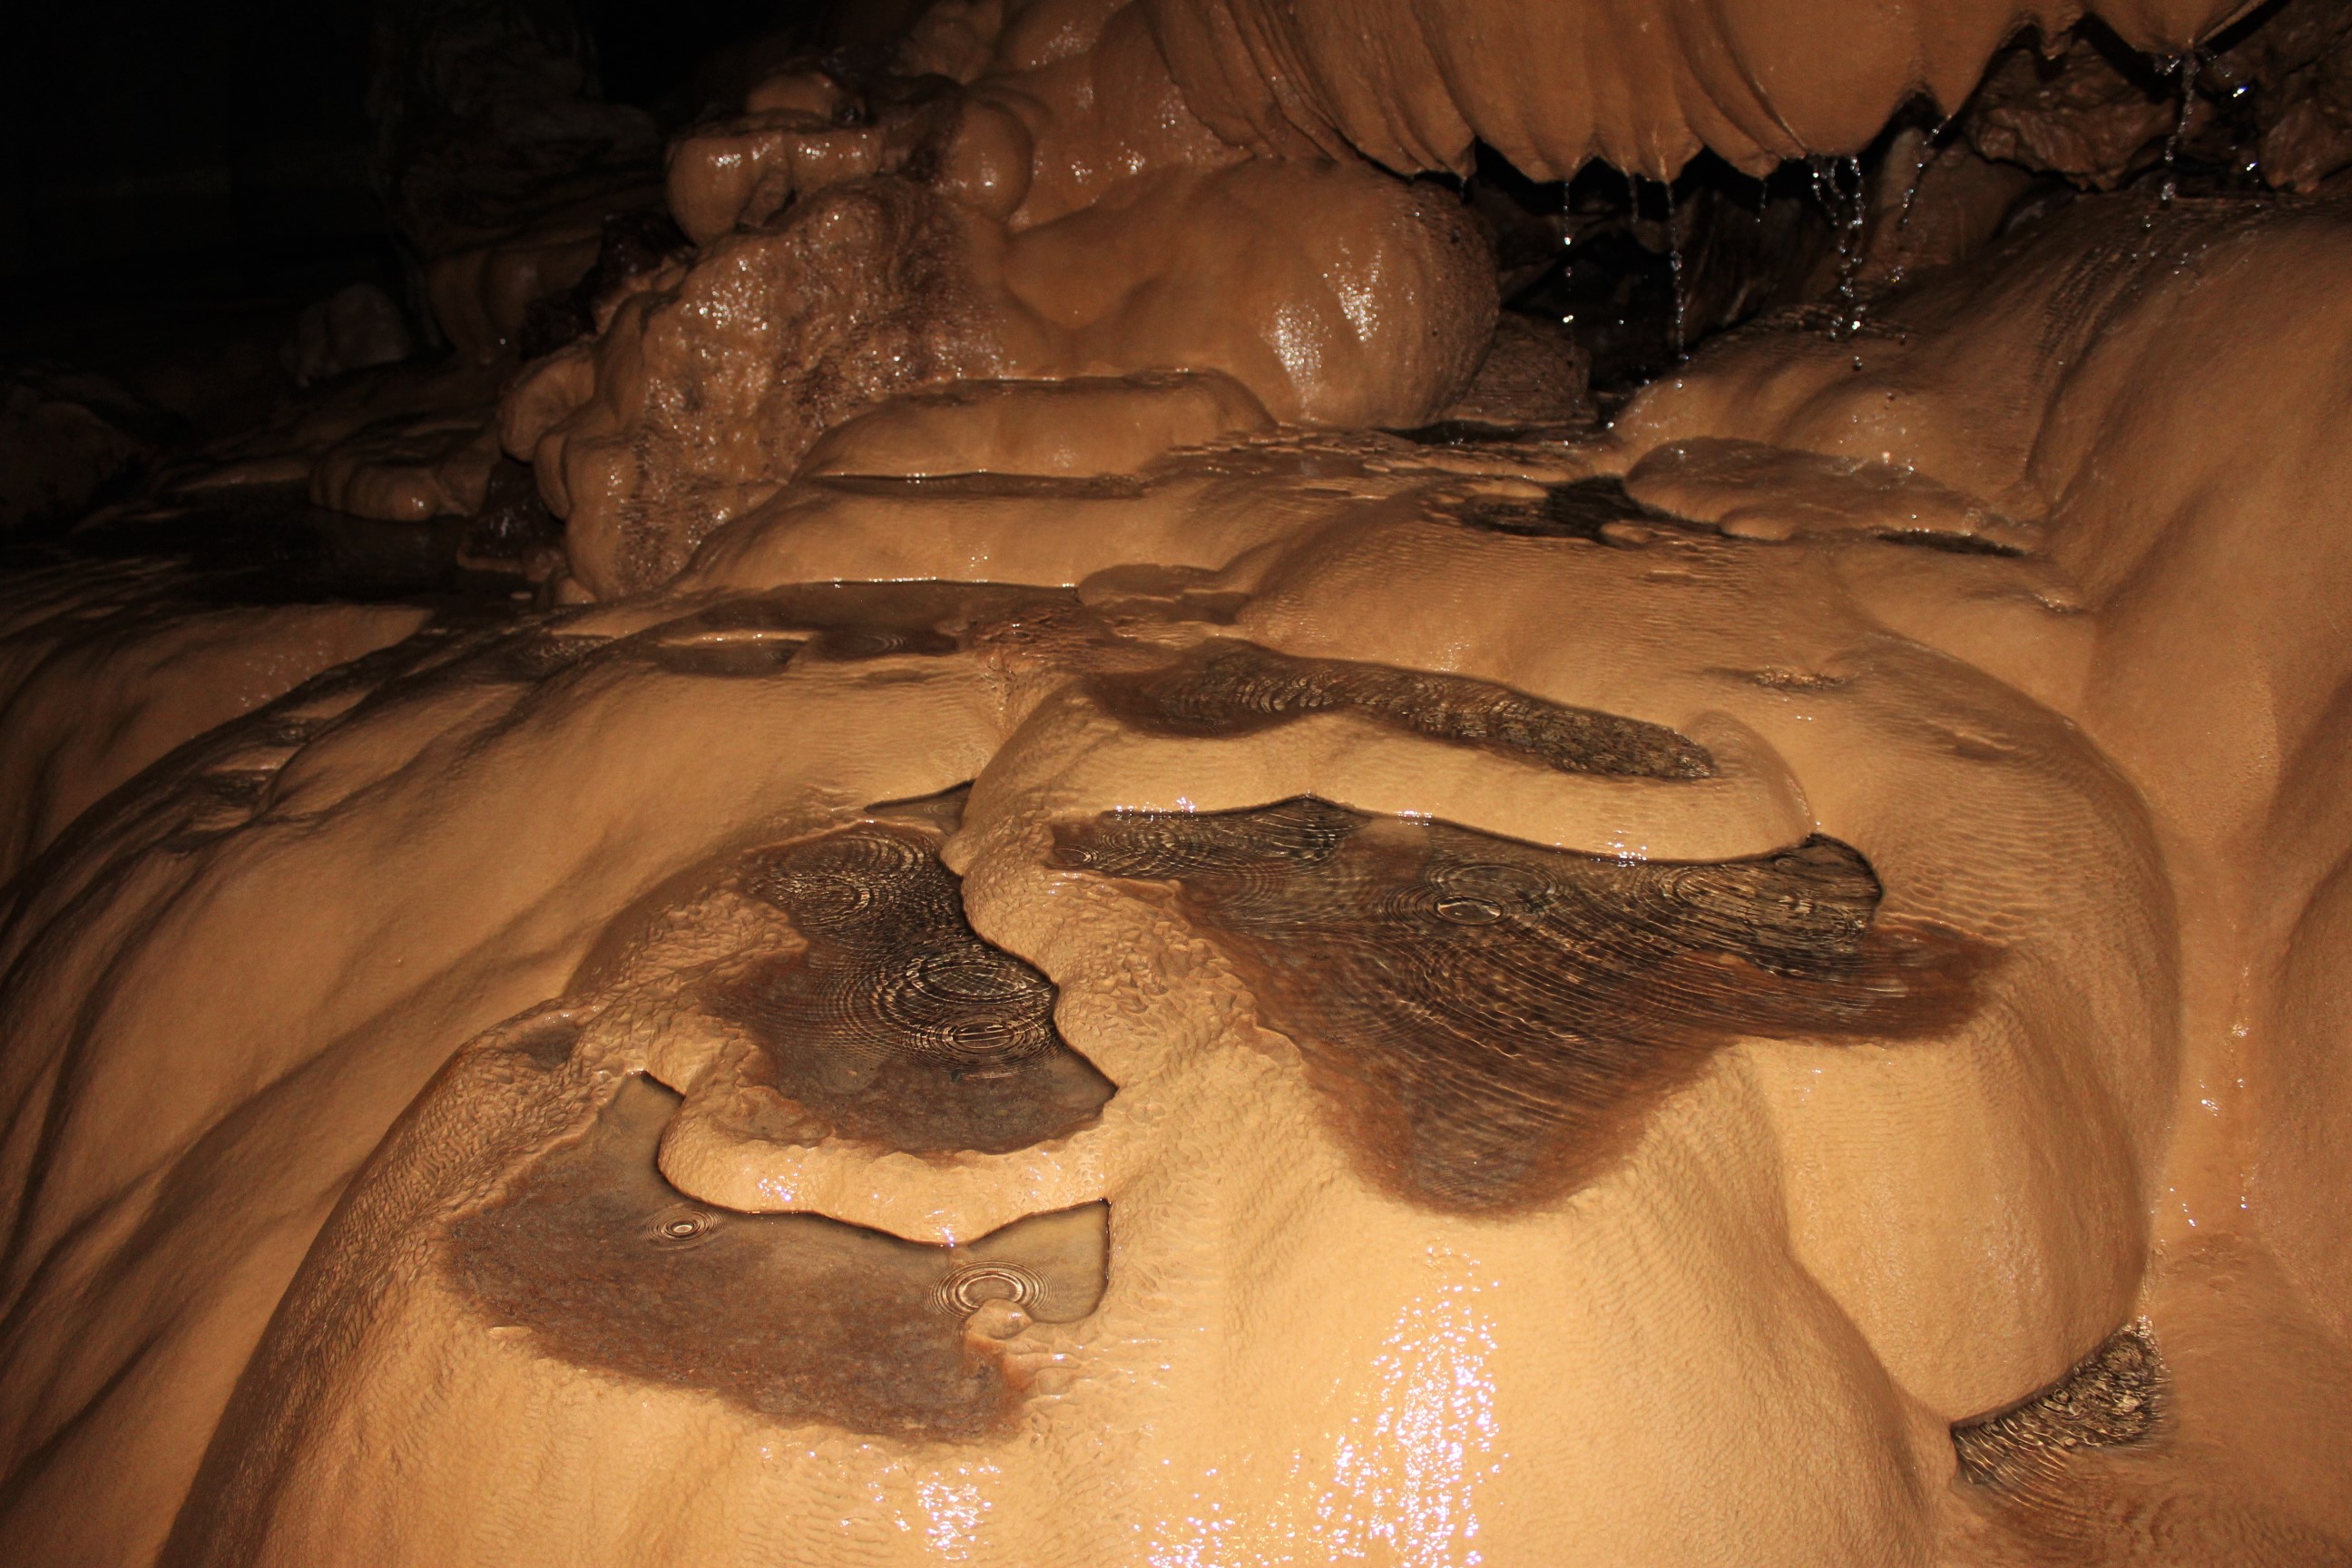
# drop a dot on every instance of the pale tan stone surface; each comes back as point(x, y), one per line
point(2037, 610)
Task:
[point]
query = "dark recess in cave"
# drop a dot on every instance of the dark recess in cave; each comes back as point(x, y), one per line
point(181, 185)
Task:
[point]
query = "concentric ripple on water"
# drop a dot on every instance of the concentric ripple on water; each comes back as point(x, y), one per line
point(896, 1025)
point(795, 1317)
point(1488, 1020)
point(1227, 687)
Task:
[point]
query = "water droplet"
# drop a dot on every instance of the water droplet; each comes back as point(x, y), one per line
point(966, 1289)
point(682, 1227)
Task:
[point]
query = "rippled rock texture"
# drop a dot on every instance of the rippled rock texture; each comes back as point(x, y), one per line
point(1101, 911)
point(1489, 1021)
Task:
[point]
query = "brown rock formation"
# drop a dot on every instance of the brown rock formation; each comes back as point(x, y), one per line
point(1071, 955)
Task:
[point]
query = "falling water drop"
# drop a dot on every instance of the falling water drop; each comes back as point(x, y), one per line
point(2247, 159)
point(1567, 245)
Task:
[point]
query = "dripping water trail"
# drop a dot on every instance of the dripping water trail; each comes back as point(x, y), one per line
point(1846, 215)
point(1674, 270)
point(2185, 69)
point(1930, 145)
point(1850, 250)
point(1920, 162)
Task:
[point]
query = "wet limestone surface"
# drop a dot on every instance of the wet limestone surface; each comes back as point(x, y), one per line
point(794, 1317)
point(1617, 966)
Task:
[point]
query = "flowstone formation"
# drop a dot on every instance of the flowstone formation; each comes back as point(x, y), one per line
point(1121, 893)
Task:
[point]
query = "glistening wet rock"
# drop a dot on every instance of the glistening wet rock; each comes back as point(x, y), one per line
point(793, 1317)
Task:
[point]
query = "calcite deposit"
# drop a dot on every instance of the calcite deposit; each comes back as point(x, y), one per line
point(1125, 900)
